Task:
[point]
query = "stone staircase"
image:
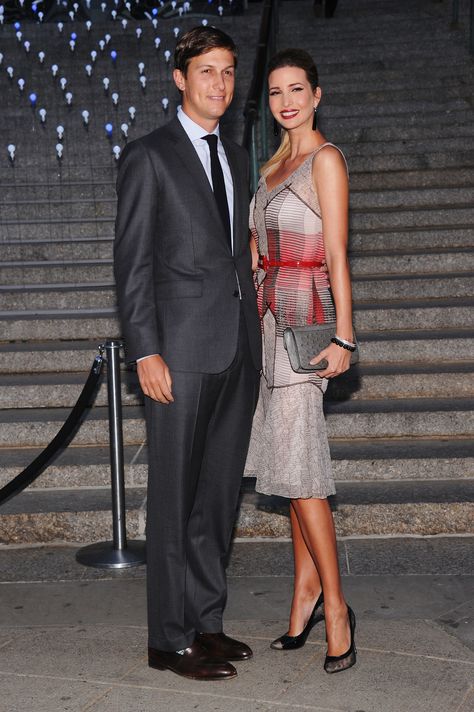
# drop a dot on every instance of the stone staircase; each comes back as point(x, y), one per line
point(398, 98)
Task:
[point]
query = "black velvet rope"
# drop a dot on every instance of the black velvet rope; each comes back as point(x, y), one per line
point(40, 462)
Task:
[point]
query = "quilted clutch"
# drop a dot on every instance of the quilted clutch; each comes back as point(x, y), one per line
point(304, 342)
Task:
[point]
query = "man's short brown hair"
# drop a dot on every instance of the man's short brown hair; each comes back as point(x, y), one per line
point(198, 41)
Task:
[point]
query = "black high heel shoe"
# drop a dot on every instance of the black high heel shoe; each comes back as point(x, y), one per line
point(337, 663)
point(292, 642)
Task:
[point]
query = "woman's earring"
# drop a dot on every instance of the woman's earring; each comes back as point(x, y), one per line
point(276, 128)
point(315, 119)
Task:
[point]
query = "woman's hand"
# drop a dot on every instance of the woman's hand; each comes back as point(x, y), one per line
point(254, 252)
point(338, 359)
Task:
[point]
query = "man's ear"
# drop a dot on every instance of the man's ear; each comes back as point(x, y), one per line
point(179, 79)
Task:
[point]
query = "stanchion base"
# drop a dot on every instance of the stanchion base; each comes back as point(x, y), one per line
point(103, 555)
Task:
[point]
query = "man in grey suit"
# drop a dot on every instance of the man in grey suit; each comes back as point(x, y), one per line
point(188, 308)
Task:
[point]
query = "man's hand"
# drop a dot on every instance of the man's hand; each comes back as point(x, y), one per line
point(155, 379)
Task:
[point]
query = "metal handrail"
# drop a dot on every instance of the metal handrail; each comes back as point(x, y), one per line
point(255, 137)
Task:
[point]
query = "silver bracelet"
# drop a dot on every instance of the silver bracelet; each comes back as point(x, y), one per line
point(344, 341)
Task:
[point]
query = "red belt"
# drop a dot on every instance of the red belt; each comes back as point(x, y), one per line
point(265, 263)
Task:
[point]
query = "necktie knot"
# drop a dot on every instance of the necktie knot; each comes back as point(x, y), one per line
point(211, 140)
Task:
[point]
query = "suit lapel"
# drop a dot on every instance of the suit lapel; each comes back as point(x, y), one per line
point(187, 153)
point(185, 150)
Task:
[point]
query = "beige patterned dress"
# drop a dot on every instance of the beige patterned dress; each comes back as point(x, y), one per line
point(289, 451)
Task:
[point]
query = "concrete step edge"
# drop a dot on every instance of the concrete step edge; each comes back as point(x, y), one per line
point(361, 369)
point(349, 493)
point(363, 406)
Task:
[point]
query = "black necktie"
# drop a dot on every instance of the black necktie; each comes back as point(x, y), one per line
point(218, 184)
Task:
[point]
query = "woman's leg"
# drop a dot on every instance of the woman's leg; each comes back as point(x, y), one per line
point(316, 525)
point(307, 585)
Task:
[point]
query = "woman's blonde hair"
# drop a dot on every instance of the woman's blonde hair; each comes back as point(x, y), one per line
point(289, 58)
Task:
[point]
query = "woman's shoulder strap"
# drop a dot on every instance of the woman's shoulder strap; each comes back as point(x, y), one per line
point(333, 145)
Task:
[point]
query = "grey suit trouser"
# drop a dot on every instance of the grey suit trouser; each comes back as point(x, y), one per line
point(197, 451)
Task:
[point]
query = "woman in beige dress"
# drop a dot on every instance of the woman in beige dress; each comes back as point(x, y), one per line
point(299, 224)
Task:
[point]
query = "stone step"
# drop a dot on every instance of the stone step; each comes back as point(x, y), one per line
point(102, 324)
point(437, 380)
point(400, 239)
point(376, 509)
point(418, 346)
point(334, 124)
point(39, 272)
point(98, 188)
point(353, 460)
point(416, 198)
point(362, 508)
point(60, 324)
point(55, 228)
point(410, 147)
point(53, 250)
point(386, 219)
point(397, 347)
point(98, 166)
point(371, 134)
point(65, 189)
point(379, 262)
point(430, 159)
point(59, 209)
point(355, 140)
point(366, 289)
point(89, 208)
point(435, 238)
point(401, 417)
point(420, 179)
point(412, 262)
point(358, 110)
point(390, 95)
point(379, 77)
point(360, 181)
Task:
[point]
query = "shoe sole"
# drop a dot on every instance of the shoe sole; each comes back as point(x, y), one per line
point(157, 666)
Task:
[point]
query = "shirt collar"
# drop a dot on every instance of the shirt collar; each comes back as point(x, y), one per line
point(193, 130)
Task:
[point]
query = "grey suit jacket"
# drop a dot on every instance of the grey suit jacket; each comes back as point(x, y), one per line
point(174, 270)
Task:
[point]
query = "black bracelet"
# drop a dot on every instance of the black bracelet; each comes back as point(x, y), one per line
point(336, 341)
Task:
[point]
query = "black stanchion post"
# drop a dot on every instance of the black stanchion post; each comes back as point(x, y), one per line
point(112, 349)
point(117, 553)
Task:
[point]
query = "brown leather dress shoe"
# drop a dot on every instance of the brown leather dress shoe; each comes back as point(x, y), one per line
point(221, 647)
point(193, 662)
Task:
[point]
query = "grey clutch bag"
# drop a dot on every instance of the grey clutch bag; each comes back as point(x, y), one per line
point(304, 342)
